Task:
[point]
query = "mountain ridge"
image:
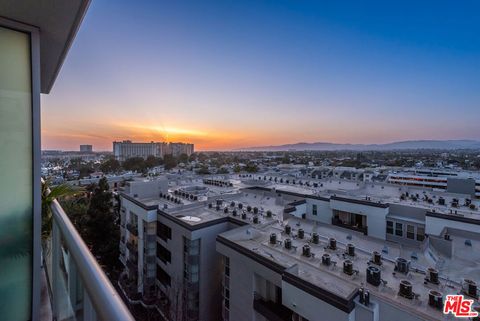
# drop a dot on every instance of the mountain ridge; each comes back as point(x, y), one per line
point(399, 145)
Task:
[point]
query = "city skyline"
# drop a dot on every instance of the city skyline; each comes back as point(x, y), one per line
point(232, 75)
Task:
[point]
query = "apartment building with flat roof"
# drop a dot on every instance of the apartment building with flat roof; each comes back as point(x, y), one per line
point(284, 251)
point(128, 149)
point(451, 181)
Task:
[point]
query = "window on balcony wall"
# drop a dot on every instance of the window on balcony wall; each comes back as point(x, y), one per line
point(163, 231)
point(398, 229)
point(411, 232)
point(16, 171)
point(389, 227)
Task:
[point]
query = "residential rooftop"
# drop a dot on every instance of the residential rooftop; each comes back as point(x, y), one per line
point(256, 239)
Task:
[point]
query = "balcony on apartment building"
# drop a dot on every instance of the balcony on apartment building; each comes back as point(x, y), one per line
point(132, 247)
point(57, 279)
point(132, 228)
point(271, 310)
point(354, 227)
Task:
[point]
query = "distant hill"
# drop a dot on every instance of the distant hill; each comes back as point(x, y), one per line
point(403, 145)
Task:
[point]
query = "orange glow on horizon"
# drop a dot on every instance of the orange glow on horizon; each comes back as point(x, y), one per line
point(103, 136)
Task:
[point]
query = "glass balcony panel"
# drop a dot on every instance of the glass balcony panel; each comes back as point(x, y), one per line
point(75, 277)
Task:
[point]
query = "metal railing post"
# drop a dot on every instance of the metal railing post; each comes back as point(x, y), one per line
point(55, 273)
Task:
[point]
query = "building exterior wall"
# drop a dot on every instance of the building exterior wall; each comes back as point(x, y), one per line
point(461, 186)
point(375, 215)
point(246, 277)
point(142, 189)
point(308, 306)
point(323, 210)
point(435, 225)
point(209, 265)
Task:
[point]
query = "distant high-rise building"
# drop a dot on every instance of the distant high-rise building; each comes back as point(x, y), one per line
point(86, 148)
point(127, 149)
point(177, 149)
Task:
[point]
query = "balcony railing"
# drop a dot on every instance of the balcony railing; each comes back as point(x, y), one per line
point(132, 266)
point(271, 310)
point(132, 229)
point(133, 256)
point(338, 222)
point(132, 247)
point(79, 288)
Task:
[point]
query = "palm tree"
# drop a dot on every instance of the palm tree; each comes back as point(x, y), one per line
point(48, 196)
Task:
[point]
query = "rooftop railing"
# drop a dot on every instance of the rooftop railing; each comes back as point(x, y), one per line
point(80, 290)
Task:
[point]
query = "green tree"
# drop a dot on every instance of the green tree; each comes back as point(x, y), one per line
point(169, 162)
point(76, 209)
point(49, 195)
point(251, 168)
point(111, 165)
point(102, 233)
point(237, 168)
point(192, 157)
point(203, 170)
point(153, 161)
point(222, 170)
point(136, 164)
point(183, 158)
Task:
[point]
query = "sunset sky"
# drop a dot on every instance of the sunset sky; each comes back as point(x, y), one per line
point(228, 74)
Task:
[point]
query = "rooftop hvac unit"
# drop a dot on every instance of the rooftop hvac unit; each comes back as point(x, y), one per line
point(402, 265)
point(315, 238)
point(234, 212)
point(332, 243)
point(244, 216)
point(306, 250)
point(406, 289)
point(288, 229)
point(225, 210)
point(435, 299)
point(301, 233)
point(469, 287)
point(348, 267)
point(255, 220)
point(374, 276)
point(273, 238)
point(377, 258)
point(432, 275)
point(288, 244)
point(326, 259)
point(350, 249)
